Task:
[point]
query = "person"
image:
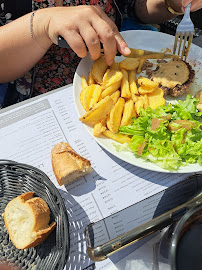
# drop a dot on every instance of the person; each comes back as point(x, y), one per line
point(31, 40)
point(4, 266)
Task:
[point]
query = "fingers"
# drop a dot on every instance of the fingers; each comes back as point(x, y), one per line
point(186, 2)
point(99, 32)
point(122, 45)
point(195, 4)
point(85, 27)
point(76, 42)
point(111, 38)
point(107, 38)
point(91, 40)
point(120, 42)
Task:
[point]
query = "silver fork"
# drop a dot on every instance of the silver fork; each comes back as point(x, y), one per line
point(184, 32)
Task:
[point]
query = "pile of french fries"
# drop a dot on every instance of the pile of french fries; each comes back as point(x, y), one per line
point(112, 96)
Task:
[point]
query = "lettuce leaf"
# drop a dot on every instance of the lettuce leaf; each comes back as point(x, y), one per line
point(168, 148)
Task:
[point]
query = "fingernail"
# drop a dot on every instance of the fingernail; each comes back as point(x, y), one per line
point(185, 3)
point(110, 62)
point(127, 50)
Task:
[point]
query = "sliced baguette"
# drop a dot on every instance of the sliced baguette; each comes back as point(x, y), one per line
point(27, 220)
point(68, 165)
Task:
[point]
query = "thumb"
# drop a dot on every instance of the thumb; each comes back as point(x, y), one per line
point(186, 2)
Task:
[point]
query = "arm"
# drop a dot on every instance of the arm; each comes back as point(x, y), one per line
point(81, 26)
point(155, 11)
point(19, 52)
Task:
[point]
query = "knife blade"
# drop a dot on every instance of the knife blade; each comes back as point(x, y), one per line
point(149, 54)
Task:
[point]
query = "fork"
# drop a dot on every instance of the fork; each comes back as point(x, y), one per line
point(184, 33)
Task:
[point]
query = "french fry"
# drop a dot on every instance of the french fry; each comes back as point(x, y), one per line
point(139, 104)
point(134, 97)
point(84, 83)
point(129, 63)
point(146, 101)
point(115, 96)
point(128, 113)
point(111, 76)
point(88, 94)
point(98, 69)
point(95, 96)
point(143, 81)
point(133, 82)
point(134, 115)
point(156, 98)
point(146, 86)
point(114, 120)
point(142, 61)
point(98, 129)
point(99, 112)
point(145, 90)
point(90, 78)
point(115, 66)
point(121, 138)
point(111, 89)
point(82, 95)
point(125, 89)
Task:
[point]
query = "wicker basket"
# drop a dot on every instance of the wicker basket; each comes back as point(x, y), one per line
point(15, 179)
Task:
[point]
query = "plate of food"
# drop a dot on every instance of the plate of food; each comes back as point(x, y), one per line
point(142, 110)
point(34, 229)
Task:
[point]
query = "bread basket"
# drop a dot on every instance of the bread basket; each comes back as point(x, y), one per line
point(15, 179)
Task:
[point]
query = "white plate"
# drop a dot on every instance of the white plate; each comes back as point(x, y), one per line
point(147, 40)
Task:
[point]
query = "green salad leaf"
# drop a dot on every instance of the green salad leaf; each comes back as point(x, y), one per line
point(170, 136)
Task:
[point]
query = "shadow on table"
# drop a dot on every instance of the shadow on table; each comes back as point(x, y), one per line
point(153, 207)
point(164, 179)
point(78, 220)
point(84, 185)
point(137, 215)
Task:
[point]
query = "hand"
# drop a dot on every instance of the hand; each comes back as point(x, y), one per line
point(85, 26)
point(5, 267)
point(179, 5)
point(195, 4)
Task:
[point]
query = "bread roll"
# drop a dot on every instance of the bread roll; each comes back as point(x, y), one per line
point(27, 220)
point(67, 164)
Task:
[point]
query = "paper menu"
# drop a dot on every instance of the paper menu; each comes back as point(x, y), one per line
point(29, 130)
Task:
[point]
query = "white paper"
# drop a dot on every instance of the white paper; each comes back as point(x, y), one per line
point(29, 130)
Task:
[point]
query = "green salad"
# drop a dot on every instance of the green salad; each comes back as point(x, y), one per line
point(169, 136)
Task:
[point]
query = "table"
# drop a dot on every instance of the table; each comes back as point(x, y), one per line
point(142, 257)
point(28, 131)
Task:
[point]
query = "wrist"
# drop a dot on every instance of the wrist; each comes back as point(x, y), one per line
point(38, 28)
point(173, 7)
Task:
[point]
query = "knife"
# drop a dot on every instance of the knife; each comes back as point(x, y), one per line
point(150, 54)
point(135, 53)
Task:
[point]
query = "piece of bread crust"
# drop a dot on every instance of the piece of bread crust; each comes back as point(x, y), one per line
point(68, 165)
point(27, 220)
